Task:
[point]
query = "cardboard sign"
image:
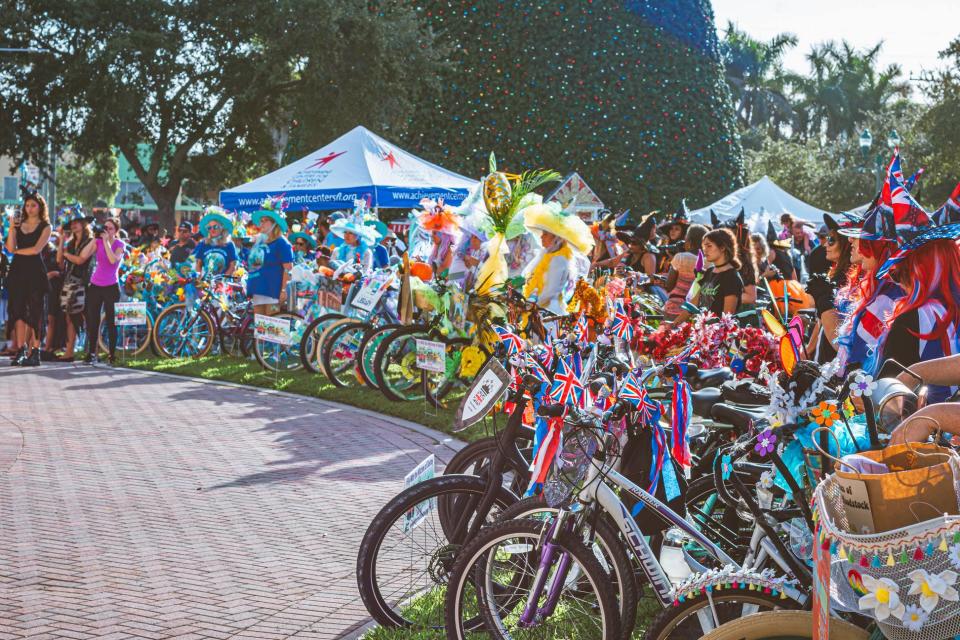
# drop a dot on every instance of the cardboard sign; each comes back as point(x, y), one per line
point(371, 292)
point(489, 385)
point(127, 314)
point(431, 356)
point(270, 329)
point(856, 504)
point(423, 471)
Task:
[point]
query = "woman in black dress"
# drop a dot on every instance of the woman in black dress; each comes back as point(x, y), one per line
point(27, 283)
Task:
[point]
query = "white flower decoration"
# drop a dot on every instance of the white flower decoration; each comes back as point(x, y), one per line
point(883, 596)
point(931, 588)
point(863, 385)
point(955, 555)
point(914, 618)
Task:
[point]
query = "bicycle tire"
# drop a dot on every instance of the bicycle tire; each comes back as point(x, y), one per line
point(237, 340)
point(468, 487)
point(438, 386)
point(290, 359)
point(688, 620)
point(181, 309)
point(615, 556)
point(385, 359)
point(341, 373)
point(727, 528)
point(466, 573)
point(368, 351)
point(324, 336)
point(308, 341)
point(783, 625)
point(142, 343)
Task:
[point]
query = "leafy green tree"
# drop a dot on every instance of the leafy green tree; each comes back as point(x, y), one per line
point(90, 181)
point(754, 71)
point(940, 124)
point(844, 85)
point(206, 81)
point(630, 94)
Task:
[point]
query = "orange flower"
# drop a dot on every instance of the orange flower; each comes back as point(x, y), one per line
point(826, 414)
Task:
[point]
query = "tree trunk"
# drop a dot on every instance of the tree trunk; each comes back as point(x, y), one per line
point(166, 211)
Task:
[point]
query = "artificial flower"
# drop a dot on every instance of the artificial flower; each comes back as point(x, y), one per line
point(931, 587)
point(726, 467)
point(883, 596)
point(914, 618)
point(955, 555)
point(826, 413)
point(863, 385)
point(766, 443)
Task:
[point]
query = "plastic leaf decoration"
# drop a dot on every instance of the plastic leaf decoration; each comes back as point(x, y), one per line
point(788, 354)
point(772, 323)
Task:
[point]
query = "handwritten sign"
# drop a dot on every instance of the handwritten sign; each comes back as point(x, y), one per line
point(128, 314)
point(431, 356)
point(423, 471)
point(856, 504)
point(270, 329)
point(371, 292)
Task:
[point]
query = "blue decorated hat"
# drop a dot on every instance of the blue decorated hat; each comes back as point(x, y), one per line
point(300, 235)
point(218, 215)
point(272, 208)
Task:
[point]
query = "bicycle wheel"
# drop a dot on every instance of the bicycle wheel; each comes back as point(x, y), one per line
point(324, 336)
point(705, 611)
point(368, 352)
point(496, 570)
point(783, 625)
point(407, 551)
point(606, 547)
point(281, 357)
point(308, 343)
point(395, 364)
point(132, 340)
point(236, 336)
point(726, 527)
point(340, 352)
point(182, 333)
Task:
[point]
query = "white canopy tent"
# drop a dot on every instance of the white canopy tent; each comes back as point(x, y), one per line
point(763, 201)
point(359, 165)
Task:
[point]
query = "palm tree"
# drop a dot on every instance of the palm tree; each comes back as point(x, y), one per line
point(844, 85)
point(754, 71)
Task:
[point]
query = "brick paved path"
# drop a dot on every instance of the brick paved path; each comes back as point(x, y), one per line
point(142, 506)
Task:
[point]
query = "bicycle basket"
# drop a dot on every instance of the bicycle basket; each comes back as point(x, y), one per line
point(570, 467)
point(911, 571)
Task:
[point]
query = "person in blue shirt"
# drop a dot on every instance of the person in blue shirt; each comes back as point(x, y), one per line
point(357, 240)
point(216, 255)
point(271, 259)
point(381, 257)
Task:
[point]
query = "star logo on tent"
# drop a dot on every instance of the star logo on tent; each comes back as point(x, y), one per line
point(389, 157)
point(325, 160)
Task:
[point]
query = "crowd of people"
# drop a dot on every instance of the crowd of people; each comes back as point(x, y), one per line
point(877, 288)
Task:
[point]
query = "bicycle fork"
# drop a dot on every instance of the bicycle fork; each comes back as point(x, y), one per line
point(532, 613)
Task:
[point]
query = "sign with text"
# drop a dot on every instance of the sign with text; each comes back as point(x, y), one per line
point(431, 356)
point(127, 314)
point(423, 471)
point(486, 389)
point(270, 329)
point(371, 291)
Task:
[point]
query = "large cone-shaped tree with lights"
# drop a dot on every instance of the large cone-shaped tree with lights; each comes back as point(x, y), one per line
point(629, 93)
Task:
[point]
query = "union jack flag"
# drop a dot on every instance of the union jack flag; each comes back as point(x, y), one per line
point(566, 385)
point(582, 329)
point(912, 180)
point(908, 215)
point(534, 368)
point(511, 340)
point(622, 323)
point(893, 169)
point(636, 394)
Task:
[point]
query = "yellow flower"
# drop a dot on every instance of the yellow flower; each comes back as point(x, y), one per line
point(826, 414)
point(471, 359)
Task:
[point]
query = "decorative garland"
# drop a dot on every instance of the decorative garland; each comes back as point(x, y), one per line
point(729, 577)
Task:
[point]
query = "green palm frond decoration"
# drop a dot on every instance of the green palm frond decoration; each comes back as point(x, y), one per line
point(503, 192)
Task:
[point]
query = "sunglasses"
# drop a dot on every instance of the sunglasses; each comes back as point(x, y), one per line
point(831, 240)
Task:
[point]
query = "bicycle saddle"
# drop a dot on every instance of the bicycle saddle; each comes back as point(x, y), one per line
point(702, 378)
point(704, 400)
point(739, 417)
point(745, 392)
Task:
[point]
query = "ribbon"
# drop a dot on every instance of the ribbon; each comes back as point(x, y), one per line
point(547, 440)
point(681, 407)
point(659, 444)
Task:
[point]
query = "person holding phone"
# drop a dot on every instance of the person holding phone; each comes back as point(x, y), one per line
point(104, 289)
point(27, 280)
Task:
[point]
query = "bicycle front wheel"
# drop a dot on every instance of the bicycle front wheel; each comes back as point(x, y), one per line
point(340, 351)
point(407, 551)
point(131, 340)
point(311, 335)
point(280, 357)
point(497, 570)
point(181, 333)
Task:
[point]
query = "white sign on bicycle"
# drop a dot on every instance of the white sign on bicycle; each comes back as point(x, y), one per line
point(128, 314)
point(431, 356)
point(371, 291)
point(270, 329)
point(423, 471)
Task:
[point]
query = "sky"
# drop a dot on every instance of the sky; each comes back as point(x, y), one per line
point(913, 32)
